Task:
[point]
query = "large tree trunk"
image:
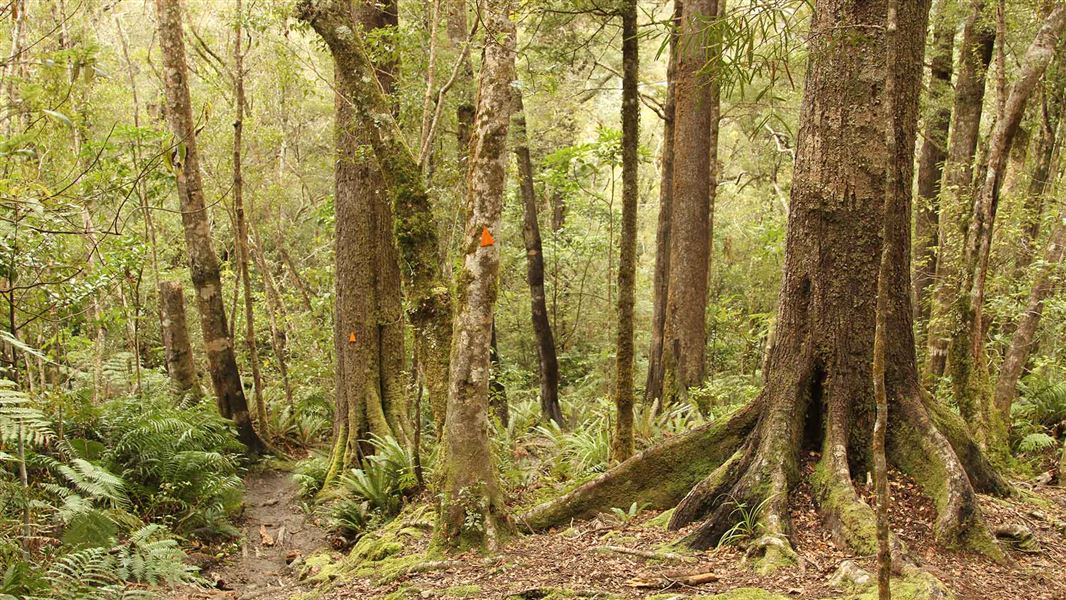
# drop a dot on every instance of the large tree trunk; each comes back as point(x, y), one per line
point(932, 155)
point(369, 392)
point(427, 294)
point(542, 330)
point(180, 365)
point(966, 358)
point(622, 439)
point(203, 263)
point(242, 224)
point(653, 385)
point(685, 334)
point(470, 489)
point(975, 54)
point(1021, 344)
point(818, 394)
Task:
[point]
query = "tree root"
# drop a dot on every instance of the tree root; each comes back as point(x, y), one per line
point(649, 554)
point(658, 477)
point(917, 447)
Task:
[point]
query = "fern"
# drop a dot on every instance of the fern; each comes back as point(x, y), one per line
point(1036, 442)
point(19, 418)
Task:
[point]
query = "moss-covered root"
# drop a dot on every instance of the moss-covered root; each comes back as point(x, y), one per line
point(918, 448)
point(762, 489)
point(658, 477)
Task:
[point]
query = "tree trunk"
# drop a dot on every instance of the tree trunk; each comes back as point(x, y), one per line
point(1022, 342)
point(278, 318)
point(622, 440)
point(967, 361)
point(180, 363)
point(1048, 141)
point(203, 263)
point(932, 156)
point(685, 337)
point(818, 393)
point(497, 390)
point(370, 397)
point(471, 493)
point(653, 386)
point(242, 224)
point(425, 290)
point(542, 330)
point(975, 54)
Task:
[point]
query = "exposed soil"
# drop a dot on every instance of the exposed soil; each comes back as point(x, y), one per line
point(574, 559)
point(275, 532)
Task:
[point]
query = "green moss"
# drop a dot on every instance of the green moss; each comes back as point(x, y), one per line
point(914, 586)
point(463, 591)
point(743, 594)
point(661, 520)
point(855, 520)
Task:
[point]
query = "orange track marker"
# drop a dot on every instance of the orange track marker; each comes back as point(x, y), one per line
point(351, 338)
point(486, 237)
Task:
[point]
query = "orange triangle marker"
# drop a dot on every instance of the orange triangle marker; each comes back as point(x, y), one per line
point(351, 338)
point(486, 237)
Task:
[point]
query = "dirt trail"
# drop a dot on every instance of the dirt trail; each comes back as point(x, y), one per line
point(275, 531)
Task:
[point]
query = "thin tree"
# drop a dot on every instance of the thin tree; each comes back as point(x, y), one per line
point(472, 508)
point(653, 385)
point(203, 263)
point(542, 329)
point(966, 358)
point(242, 224)
point(622, 438)
point(932, 155)
point(975, 54)
point(179, 358)
point(818, 391)
point(1024, 338)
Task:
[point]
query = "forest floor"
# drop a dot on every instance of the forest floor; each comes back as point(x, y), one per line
point(575, 561)
point(275, 532)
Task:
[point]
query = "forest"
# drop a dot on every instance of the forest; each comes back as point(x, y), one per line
point(532, 299)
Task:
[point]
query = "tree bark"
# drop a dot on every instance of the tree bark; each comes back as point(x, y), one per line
point(818, 392)
point(932, 156)
point(471, 493)
point(1048, 141)
point(975, 54)
point(278, 318)
point(1022, 342)
point(966, 358)
point(242, 224)
point(370, 395)
point(542, 329)
point(653, 385)
point(685, 337)
point(203, 263)
point(179, 357)
point(424, 287)
point(622, 440)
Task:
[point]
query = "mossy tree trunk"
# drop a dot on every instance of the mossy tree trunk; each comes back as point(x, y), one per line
point(370, 396)
point(818, 393)
point(426, 293)
point(472, 510)
point(975, 54)
point(967, 361)
point(203, 263)
point(622, 438)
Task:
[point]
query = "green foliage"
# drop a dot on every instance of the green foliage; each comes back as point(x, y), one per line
point(310, 474)
point(585, 449)
point(370, 494)
point(1039, 414)
point(626, 515)
point(748, 525)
